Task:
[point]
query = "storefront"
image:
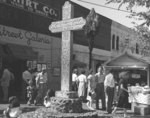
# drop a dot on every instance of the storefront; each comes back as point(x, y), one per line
point(26, 41)
point(20, 48)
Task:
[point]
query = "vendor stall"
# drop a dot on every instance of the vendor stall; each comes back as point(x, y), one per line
point(139, 89)
point(127, 61)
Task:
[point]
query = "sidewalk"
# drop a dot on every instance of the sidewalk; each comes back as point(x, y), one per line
point(101, 114)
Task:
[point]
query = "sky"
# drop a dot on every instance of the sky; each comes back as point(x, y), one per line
point(112, 12)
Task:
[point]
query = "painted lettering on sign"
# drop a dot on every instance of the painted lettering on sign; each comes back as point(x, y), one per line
point(6, 33)
point(66, 25)
point(30, 37)
point(35, 7)
point(15, 34)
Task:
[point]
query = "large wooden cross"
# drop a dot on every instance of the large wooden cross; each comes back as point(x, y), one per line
point(66, 26)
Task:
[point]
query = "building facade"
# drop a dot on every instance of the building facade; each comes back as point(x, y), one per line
point(126, 39)
point(26, 41)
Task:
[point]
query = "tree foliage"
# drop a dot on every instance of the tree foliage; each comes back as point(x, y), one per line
point(91, 28)
point(143, 32)
point(92, 23)
point(130, 5)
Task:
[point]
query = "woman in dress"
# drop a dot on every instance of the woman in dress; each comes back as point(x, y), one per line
point(123, 92)
point(91, 89)
point(82, 80)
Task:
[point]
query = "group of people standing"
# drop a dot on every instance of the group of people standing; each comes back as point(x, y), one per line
point(34, 86)
point(101, 85)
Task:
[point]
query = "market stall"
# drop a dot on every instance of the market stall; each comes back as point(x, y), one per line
point(129, 62)
point(139, 91)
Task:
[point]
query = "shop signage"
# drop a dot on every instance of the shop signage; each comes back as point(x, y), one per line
point(34, 7)
point(66, 25)
point(13, 35)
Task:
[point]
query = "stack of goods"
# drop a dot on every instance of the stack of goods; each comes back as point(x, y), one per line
point(139, 94)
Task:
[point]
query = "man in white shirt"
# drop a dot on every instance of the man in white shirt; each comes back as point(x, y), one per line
point(109, 84)
point(74, 80)
point(41, 83)
point(26, 76)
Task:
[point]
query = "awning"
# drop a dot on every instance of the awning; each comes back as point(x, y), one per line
point(127, 60)
point(77, 63)
point(22, 52)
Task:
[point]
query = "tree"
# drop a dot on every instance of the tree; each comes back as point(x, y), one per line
point(130, 5)
point(90, 30)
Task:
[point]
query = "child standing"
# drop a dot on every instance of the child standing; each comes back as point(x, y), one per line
point(30, 92)
point(91, 95)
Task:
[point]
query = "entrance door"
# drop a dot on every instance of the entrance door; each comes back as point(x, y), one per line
point(18, 66)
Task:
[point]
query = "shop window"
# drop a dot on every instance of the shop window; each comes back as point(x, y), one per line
point(32, 64)
point(137, 48)
point(41, 66)
point(117, 43)
point(113, 41)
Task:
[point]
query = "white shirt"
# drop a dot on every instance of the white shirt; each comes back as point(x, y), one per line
point(82, 78)
point(74, 77)
point(109, 80)
point(42, 78)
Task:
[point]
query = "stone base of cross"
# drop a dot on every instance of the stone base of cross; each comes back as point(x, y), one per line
point(67, 100)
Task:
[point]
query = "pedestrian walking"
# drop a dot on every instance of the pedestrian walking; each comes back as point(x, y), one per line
point(26, 76)
point(91, 89)
point(74, 80)
point(12, 83)
point(41, 80)
point(5, 82)
point(109, 84)
point(123, 92)
point(82, 80)
point(34, 75)
point(100, 94)
point(30, 92)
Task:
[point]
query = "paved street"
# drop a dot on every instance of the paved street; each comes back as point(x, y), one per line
point(101, 114)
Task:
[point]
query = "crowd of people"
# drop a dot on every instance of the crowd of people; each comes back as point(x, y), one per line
point(33, 85)
point(34, 90)
point(89, 86)
point(102, 86)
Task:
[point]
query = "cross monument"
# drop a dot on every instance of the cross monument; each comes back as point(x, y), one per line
point(67, 26)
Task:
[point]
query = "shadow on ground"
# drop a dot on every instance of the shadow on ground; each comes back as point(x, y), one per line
point(28, 109)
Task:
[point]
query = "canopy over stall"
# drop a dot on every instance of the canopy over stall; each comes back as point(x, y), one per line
point(128, 61)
